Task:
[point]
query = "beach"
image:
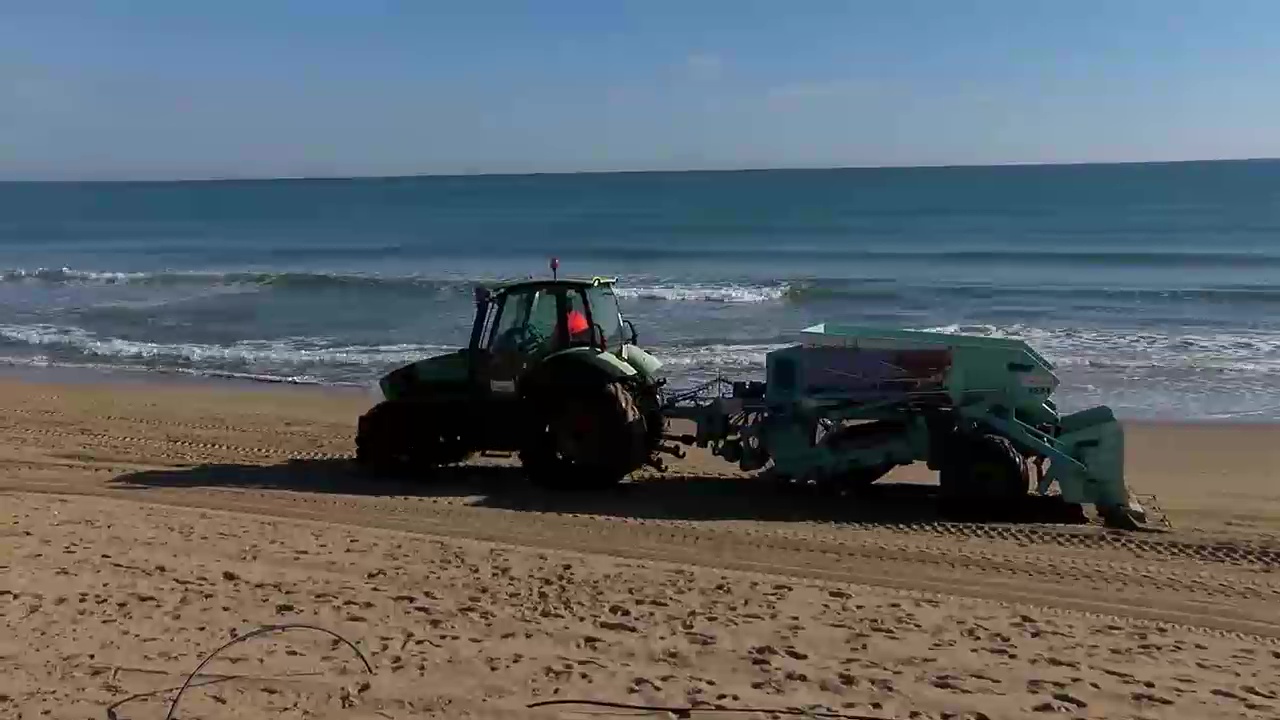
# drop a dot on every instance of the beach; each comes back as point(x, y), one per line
point(147, 523)
point(1035, 252)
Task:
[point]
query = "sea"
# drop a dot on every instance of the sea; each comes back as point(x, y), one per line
point(1153, 288)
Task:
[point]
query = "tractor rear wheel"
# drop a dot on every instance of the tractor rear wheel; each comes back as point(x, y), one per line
point(984, 469)
point(399, 438)
point(584, 436)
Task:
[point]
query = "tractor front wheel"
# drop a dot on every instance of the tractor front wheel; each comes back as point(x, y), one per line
point(399, 439)
point(584, 436)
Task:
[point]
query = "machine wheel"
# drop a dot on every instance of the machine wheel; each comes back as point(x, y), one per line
point(861, 478)
point(986, 469)
point(584, 436)
point(406, 438)
point(861, 435)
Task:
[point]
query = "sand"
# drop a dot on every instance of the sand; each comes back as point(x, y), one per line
point(144, 525)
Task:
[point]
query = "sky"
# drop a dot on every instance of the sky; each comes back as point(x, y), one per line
point(284, 88)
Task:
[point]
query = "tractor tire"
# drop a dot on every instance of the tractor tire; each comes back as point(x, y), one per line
point(585, 436)
point(406, 439)
point(984, 470)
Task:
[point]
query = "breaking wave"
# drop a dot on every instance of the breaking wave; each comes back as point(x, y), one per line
point(648, 289)
point(1203, 375)
point(725, 293)
point(1065, 347)
point(315, 359)
point(305, 280)
point(1141, 350)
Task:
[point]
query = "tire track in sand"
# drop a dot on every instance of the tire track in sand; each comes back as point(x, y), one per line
point(988, 575)
point(1030, 536)
point(1006, 564)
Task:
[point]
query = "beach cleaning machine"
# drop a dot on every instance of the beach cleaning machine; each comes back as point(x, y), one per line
point(848, 404)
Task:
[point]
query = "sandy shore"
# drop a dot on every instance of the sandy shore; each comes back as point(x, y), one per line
point(144, 525)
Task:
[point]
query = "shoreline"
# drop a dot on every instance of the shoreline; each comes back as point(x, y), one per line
point(109, 377)
point(176, 379)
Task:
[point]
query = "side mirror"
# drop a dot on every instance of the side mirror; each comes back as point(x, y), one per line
point(634, 337)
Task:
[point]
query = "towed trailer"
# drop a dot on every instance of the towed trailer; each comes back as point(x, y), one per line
point(847, 404)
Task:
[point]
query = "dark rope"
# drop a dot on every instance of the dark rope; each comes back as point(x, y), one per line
point(677, 710)
point(262, 631)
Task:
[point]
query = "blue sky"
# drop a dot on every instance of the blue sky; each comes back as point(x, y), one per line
point(152, 89)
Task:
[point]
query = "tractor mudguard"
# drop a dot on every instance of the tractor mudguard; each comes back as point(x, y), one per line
point(608, 364)
point(574, 367)
point(643, 362)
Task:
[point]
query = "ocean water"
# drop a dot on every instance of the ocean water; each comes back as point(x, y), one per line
point(1155, 288)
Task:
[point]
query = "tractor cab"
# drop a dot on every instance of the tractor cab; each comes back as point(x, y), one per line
point(539, 317)
point(523, 324)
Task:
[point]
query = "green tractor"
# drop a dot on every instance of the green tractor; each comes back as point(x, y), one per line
point(552, 372)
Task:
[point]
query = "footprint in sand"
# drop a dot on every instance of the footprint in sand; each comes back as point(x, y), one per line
point(949, 682)
point(1148, 698)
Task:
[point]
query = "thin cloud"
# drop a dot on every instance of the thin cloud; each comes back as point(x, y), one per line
point(812, 90)
point(704, 66)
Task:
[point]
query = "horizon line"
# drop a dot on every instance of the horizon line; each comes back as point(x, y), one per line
point(793, 168)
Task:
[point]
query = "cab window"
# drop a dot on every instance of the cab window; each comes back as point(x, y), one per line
point(605, 313)
point(526, 323)
point(543, 318)
point(577, 319)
